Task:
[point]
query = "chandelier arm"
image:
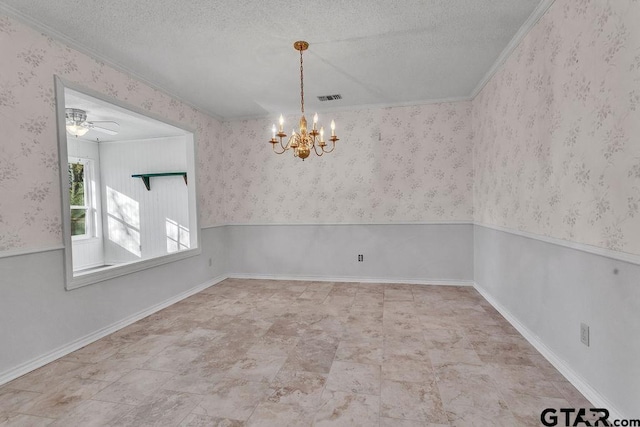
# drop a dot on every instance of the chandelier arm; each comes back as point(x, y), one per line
point(319, 154)
point(285, 148)
point(274, 149)
point(333, 147)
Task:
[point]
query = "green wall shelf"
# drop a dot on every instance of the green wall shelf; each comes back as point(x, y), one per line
point(146, 177)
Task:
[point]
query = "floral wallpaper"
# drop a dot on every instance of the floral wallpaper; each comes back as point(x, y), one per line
point(550, 145)
point(557, 129)
point(30, 214)
point(390, 165)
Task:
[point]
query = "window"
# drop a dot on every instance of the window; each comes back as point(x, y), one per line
point(81, 203)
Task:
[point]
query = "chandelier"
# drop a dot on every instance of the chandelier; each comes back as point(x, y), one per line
point(303, 142)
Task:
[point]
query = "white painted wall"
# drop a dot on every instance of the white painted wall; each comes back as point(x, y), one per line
point(89, 253)
point(422, 253)
point(40, 320)
point(141, 224)
point(551, 289)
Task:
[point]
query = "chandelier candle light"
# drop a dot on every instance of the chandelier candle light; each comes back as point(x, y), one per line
point(302, 143)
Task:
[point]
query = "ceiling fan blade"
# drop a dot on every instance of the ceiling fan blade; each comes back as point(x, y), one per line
point(102, 129)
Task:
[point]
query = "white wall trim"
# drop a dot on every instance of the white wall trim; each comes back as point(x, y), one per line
point(19, 252)
point(280, 224)
point(528, 25)
point(207, 227)
point(352, 279)
point(40, 361)
point(574, 378)
point(608, 253)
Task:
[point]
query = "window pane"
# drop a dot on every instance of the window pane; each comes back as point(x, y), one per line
point(78, 222)
point(76, 184)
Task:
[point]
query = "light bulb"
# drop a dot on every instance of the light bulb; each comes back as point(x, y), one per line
point(333, 128)
point(281, 121)
point(273, 131)
point(321, 133)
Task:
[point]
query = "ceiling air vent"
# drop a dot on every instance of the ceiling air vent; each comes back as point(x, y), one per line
point(329, 97)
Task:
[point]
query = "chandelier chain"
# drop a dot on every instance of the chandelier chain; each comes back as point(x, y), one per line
point(301, 84)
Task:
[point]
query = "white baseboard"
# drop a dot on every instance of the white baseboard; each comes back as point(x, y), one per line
point(351, 279)
point(598, 400)
point(49, 357)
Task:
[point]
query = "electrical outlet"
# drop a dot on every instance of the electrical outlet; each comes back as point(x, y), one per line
point(360, 258)
point(210, 262)
point(584, 334)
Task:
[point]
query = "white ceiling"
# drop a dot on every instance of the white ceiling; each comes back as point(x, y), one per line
point(234, 58)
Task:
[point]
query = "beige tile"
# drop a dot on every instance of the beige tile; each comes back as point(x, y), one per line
point(470, 416)
point(467, 385)
point(354, 378)
point(233, 398)
point(410, 344)
point(195, 420)
point(164, 408)
point(13, 400)
point(63, 397)
point(47, 377)
point(398, 295)
point(313, 355)
point(523, 380)
point(278, 345)
point(257, 367)
point(91, 413)
point(306, 346)
point(202, 337)
point(348, 410)
point(365, 351)
point(298, 388)
point(445, 339)
point(23, 420)
point(134, 388)
point(173, 359)
point(412, 401)
point(112, 368)
point(269, 414)
point(396, 422)
point(454, 356)
point(407, 368)
point(196, 381)
point(150, 345)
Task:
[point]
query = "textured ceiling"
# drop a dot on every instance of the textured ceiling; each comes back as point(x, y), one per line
point(234, 58)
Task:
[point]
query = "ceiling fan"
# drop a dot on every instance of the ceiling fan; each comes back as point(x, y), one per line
point(77, 124)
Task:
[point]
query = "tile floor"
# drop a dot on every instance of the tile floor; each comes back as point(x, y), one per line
point(277, 353)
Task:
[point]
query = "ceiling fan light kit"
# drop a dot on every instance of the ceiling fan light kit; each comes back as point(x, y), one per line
point(303, 142)
point(77, 124)
point(75, 120)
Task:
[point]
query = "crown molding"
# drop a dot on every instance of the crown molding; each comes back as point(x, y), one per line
point(528, 25)
point(68, 41)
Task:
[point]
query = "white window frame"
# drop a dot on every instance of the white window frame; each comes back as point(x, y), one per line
point(90, 206)
point(74, 281)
